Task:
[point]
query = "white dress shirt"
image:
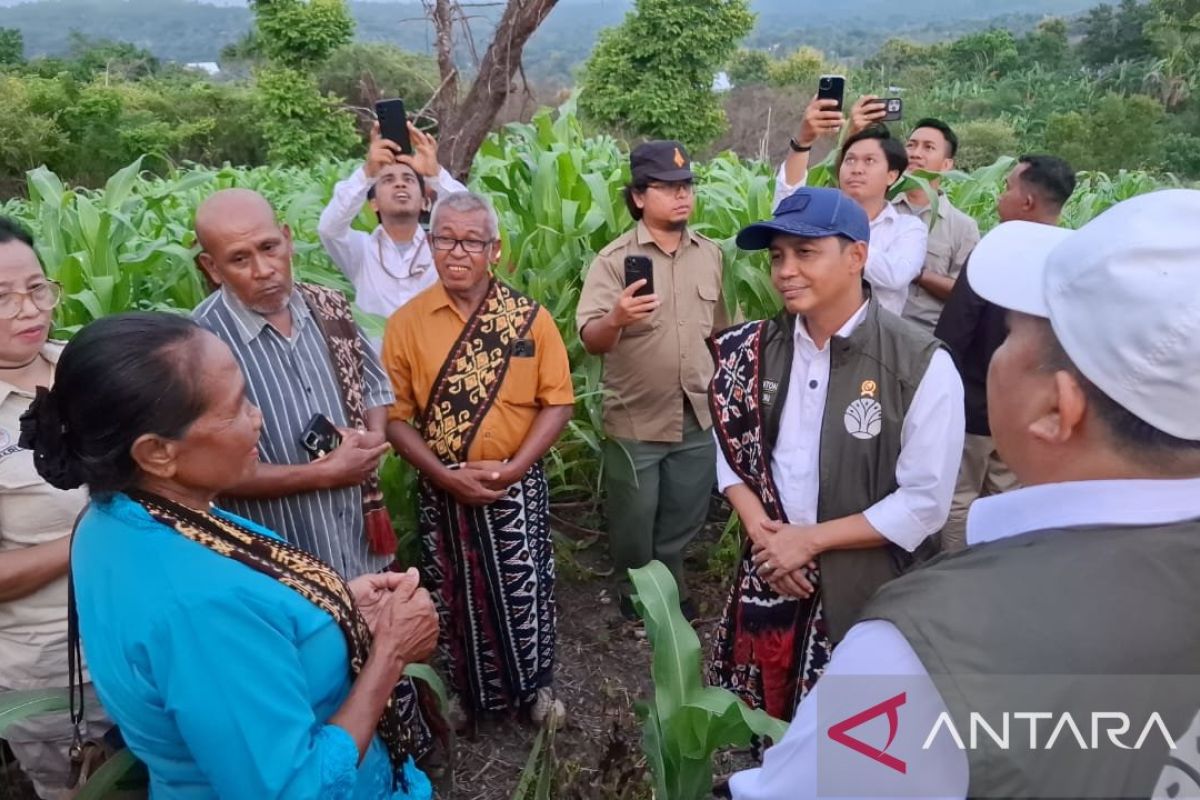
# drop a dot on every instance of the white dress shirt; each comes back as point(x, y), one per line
point(930, 445)
point(895, 254)
point(385, 274)
point(877, 648)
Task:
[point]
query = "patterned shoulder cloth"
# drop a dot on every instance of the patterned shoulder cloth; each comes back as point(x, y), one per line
point(769, 649)
point(332, 311)
point(309, 577)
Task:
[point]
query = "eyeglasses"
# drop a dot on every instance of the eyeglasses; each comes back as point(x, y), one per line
point(446, 244)
point(675, 187)
point(45, 296)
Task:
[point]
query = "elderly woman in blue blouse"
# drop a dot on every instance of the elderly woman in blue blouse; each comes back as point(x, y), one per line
point(235, 665)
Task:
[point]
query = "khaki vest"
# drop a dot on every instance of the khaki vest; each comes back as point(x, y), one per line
point(1080, 603)
point(873, 375)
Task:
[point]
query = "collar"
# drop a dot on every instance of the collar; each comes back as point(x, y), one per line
point(644, 238)
point(250, 324)
point(856, 319)
point(415, 265)
point(439, 298)
point(1083, 503)
point(944, 205)
point(888, 214)
point(50, 351)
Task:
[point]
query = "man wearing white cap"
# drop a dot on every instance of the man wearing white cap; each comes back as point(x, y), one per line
point(1080, 588)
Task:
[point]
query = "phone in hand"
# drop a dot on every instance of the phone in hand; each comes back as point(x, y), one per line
point(832, 87)
point(320, 437)
point(636, 269)
point(893, 109)
point(393, 123)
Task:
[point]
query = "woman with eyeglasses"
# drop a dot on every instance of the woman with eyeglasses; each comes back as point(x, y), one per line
point(35, 524)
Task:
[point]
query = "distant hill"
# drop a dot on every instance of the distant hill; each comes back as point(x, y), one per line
point(183, 31)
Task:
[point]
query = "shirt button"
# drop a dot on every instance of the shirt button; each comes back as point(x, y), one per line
point(681, 323)
point(812, 384)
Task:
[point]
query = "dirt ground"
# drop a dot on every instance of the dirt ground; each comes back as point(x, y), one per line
point(603, 669)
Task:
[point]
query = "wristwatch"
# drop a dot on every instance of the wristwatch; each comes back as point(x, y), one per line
point(797, 147)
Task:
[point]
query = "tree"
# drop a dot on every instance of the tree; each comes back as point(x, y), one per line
point(896, 55)
point(464, 120)
point(653, 74)
point(991, 53)
point(12, 46)
point(1116, 34)
point(299, 123)
point(800, 68)
point(983, 142)
point(1046, 45)
point(363, 73)
point(749, 67)
point(1132, 135)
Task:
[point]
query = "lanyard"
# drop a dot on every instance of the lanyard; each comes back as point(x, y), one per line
point(411, 260)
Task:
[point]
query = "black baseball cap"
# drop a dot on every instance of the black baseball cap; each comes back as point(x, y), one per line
point(660, 160)
point(813, 214)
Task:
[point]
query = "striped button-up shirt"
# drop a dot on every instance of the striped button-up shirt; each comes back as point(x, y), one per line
point(290, 380)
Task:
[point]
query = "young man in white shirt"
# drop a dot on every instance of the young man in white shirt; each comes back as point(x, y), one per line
point(1075, 598)
point(393, 263)
point(840, 429)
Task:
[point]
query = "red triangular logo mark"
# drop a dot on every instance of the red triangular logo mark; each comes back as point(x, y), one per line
point(839, 733)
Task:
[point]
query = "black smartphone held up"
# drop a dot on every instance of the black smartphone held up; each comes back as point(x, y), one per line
point(637, 268)
point(832, 87)
point(320, 437)
point(393, 123)
point(893, 108)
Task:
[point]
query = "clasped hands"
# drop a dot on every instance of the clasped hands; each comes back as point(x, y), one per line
point(784, 555)
point(397, 609)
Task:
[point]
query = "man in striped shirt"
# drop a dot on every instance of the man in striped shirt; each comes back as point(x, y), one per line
point(290, 375)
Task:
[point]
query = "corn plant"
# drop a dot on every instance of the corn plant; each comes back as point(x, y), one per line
point(686, 721)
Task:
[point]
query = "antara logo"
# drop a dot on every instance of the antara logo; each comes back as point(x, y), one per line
point(840, 732)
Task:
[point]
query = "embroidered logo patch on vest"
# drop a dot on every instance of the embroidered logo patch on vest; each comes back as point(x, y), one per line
point(770, 388)
point(864, 417)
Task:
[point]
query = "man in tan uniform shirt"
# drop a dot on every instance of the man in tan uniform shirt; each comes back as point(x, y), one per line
point(659, 454)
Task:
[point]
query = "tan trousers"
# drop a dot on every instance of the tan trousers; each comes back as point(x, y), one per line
point(42, 745)
point(981, 474)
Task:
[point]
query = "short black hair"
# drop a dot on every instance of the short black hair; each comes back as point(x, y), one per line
point(420, 184)
point(119, 378)
point(938, 125)
point(1135, 438)
point(13, 231)
point(893, 150)
point(1051, 176)
point(630, 188)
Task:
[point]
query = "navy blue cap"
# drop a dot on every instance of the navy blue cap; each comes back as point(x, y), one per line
point(813, 214)
point(660, 160)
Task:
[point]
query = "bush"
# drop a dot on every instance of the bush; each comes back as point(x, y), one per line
point(749, 67)
point(299, 124)
point(984, 141)
point(801, 68)
point(1119, 133)
point(363, 73)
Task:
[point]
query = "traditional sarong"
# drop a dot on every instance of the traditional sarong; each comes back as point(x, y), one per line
point(769, 649)
point(490, 569)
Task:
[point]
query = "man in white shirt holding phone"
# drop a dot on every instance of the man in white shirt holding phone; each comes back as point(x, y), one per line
point(393, 263)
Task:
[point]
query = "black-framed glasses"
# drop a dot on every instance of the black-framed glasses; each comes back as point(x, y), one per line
point(672, 187)
point(45, 296)
point(447, 244)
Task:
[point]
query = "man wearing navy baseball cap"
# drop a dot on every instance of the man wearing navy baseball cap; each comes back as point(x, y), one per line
point(840, 429)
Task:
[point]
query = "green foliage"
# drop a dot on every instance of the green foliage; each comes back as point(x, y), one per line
point(983, 142)
point(354, 70)
point(17, 706)
point(301, 125)
point(12, 46)
point(302, 34)
point(748, 67)
point(1047, 45)
point(652, 76)
point(991, 53)
point(1116, 34)
point(1109, 137)
point(686, 721)
point(800, 68)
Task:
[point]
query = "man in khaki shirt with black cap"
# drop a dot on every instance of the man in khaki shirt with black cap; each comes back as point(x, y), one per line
point(659, 455)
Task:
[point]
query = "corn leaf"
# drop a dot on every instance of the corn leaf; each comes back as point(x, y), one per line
point(17, 706)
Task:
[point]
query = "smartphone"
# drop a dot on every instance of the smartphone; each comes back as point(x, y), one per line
point(894, 109)
point(637, 268)
point(320, 436)
point(393, 123)
point(832, 87)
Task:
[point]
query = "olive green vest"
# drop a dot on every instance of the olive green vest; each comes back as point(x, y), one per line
point(1070, 607)
point(873, 375)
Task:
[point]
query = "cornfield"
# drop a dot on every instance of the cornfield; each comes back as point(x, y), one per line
point(557, 191)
